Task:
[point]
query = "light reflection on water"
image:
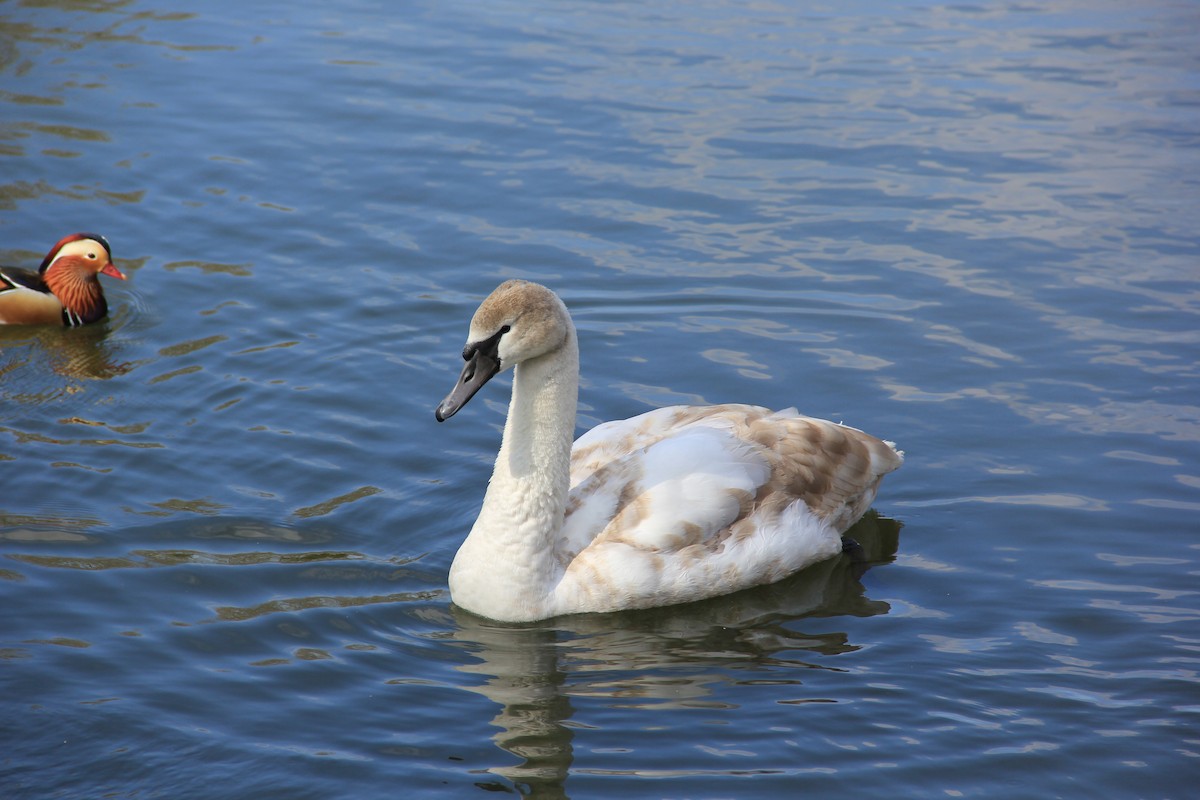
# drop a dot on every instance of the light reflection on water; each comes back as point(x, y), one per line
point(227, 511)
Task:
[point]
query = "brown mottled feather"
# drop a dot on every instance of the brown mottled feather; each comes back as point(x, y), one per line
point(833, 469)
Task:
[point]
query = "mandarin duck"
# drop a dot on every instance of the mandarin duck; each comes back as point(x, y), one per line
point(65, 289)
point(674, 505)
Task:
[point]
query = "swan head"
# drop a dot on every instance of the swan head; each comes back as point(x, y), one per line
point(517, 322)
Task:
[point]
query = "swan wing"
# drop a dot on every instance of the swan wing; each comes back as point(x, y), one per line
point(668, 505)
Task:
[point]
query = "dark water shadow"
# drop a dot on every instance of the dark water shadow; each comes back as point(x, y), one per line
point(658, 658)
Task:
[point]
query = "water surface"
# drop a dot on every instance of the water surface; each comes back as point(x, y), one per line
point(228, 512)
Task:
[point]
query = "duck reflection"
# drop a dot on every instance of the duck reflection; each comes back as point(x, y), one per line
point(532, 671)
point(41, 363)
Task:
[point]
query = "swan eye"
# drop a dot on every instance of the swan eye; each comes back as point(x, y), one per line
point(505, 329)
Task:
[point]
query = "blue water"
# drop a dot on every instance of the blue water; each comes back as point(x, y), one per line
point(227, 512)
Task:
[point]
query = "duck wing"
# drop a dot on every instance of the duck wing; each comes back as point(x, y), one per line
point(16, 278)
point(25, 298)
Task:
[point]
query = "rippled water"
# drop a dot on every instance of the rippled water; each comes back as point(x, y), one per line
point(228, 512)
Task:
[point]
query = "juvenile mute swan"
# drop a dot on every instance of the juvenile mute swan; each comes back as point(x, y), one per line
point(673, 505)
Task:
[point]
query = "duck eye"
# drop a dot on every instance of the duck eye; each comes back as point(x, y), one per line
point(92, 256)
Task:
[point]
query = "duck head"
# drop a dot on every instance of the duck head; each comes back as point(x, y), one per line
point(70, 271)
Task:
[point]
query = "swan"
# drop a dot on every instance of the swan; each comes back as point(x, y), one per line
point(673, 505)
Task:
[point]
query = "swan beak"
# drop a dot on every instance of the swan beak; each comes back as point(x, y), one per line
point(482, 363)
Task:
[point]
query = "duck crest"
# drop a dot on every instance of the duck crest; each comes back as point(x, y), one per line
point(53, 255)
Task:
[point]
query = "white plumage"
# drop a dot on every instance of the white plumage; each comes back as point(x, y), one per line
point(673, 505)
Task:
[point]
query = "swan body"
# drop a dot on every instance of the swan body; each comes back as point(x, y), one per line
point(670, 506)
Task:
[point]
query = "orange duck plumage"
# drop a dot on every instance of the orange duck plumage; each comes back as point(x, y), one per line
point(65, 289)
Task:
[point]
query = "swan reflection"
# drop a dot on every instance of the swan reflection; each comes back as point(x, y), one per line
point(674, 657)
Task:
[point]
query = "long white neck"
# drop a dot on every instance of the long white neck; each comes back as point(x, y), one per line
point(507, 562)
